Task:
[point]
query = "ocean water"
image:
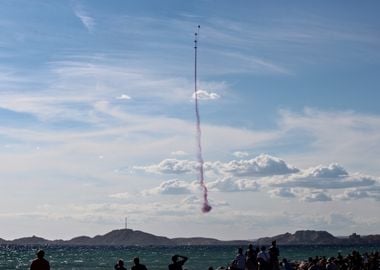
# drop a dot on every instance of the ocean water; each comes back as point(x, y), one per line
point(155, 258)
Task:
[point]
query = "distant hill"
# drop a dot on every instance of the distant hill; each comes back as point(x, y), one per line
point(301, 238)
point(128, 237)
point(201, 241)
point(34, 240)
point(2, 241)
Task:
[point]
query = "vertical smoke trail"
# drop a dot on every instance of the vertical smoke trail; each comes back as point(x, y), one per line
point(206, 206)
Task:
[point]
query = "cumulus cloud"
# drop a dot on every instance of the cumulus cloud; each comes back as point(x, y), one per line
point(332, 176)
point(204, 95)
point(360, 193)
point(170, 166)
point(172, 187)
point(262, 165)
point(282, 192)
point(232, 185)
point(353, 195)
point(317, 196)
point(331, 171)
point(274, 175)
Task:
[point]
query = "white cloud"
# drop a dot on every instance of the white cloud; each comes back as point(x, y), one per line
point(361, 193)
point(172, 187)
point(281, 179)
point(262, 165)
point(332, 176)
point(317, 196)
point(282, 192)
point(232, 185)
point(332, 171)
point(123, 97)
point(204, 95)
point(170, 166)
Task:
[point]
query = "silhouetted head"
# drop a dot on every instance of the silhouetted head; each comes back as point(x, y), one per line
point(40, 254)
point(274, 243)
point(120, 262)
point(263, 248)
point(136, 260)
point(250, 246)
point(175, 258)
point(331, 259)
point(240, 250)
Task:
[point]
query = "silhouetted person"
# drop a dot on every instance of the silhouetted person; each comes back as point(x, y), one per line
point(138, 265)
point(120, 265)
point(274, 253)
point(263, 259)
point(331, 265)
point(286, 265)
point(177, 262)
point(251, 258)
point(239, 262)
point(40, 263)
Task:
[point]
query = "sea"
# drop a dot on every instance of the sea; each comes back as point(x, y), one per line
point(154, 257)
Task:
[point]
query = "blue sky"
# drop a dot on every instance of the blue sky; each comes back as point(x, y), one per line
point(97, 117)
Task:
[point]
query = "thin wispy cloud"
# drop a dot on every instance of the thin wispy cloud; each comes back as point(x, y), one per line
point(240, 154)
point(83, 15)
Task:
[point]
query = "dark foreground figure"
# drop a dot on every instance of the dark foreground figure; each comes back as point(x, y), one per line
point(177, 262)
point(120, 265)
point(40, 263)
point(138, 265)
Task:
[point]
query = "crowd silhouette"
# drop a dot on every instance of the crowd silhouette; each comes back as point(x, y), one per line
point(256, 258)
point(263, 259)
